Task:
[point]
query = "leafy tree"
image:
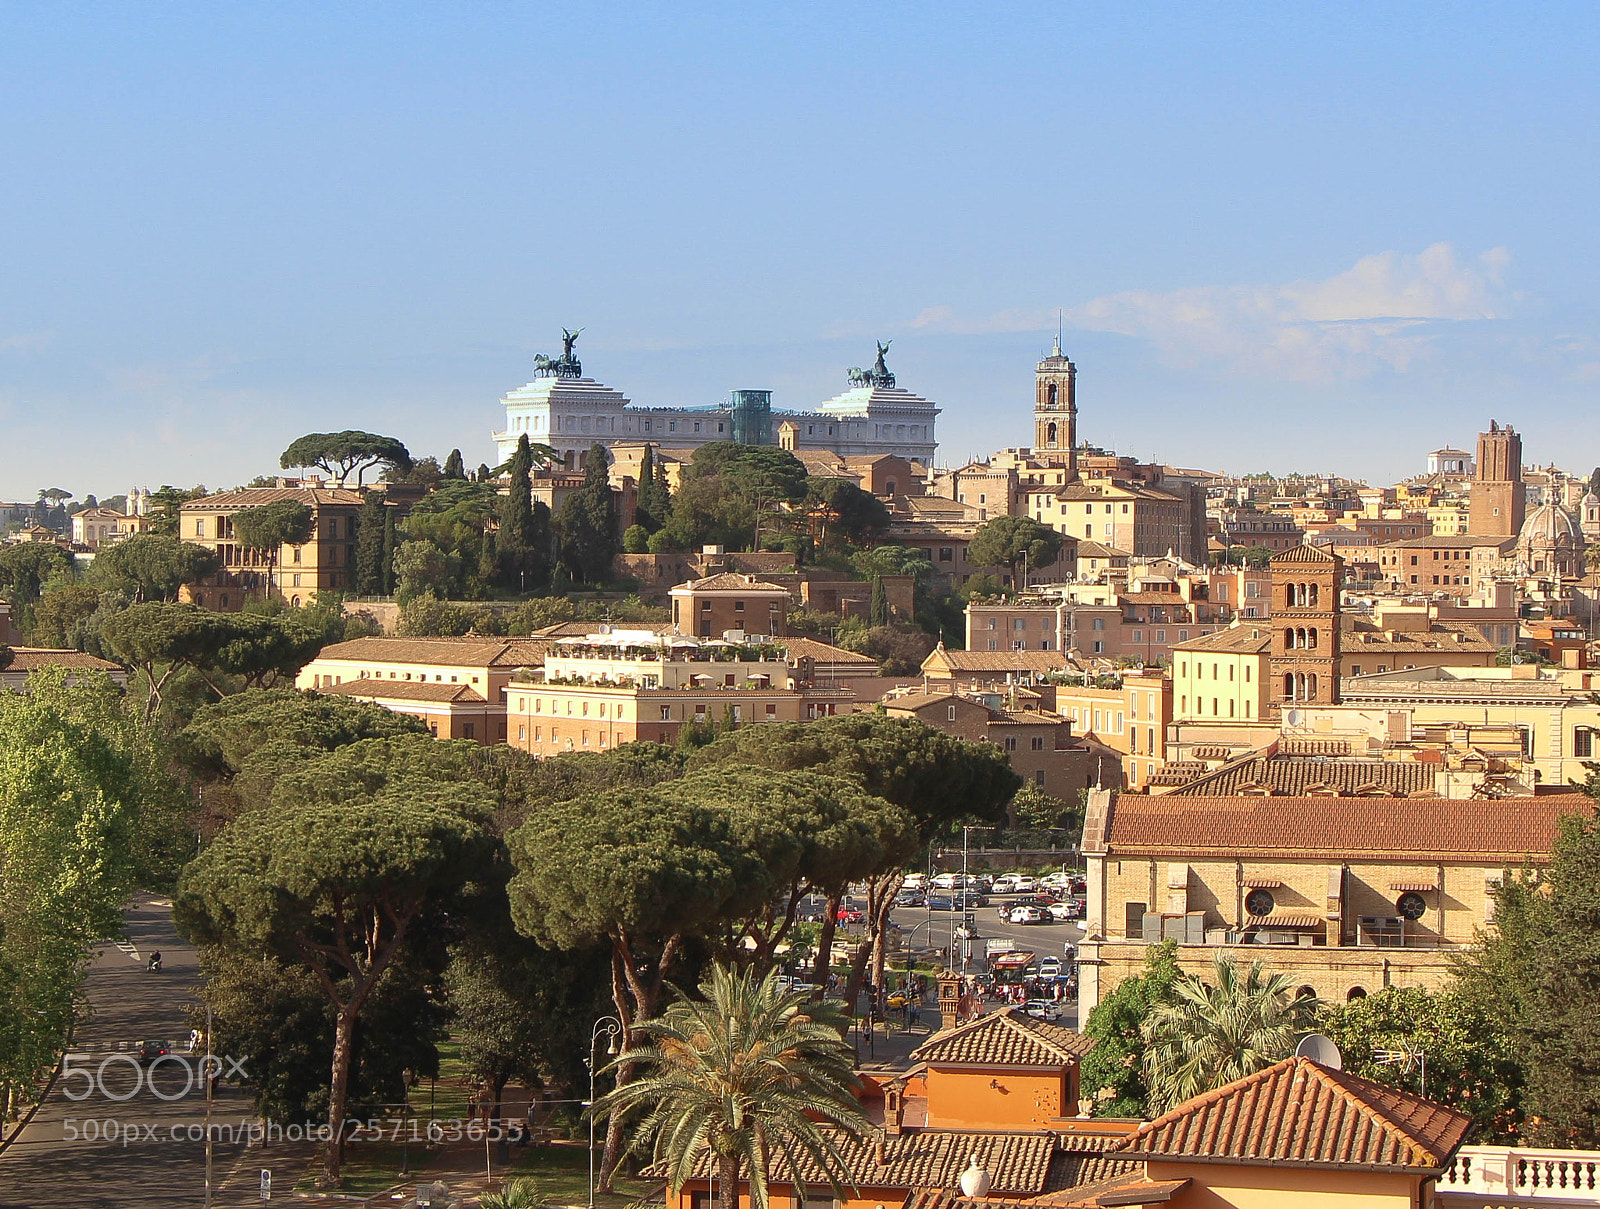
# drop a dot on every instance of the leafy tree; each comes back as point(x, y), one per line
point(456, 518)
point(1033, 807)
point(636, 540)
point(483, 473)
point(87, 813)
point(1473, 1065)
point(27, 566)
point(726, 490)
point(222, 737)
point(588, 523)
point(422, 566)
point(425, 473)
point(524, 539)
point(1112, 1073)
point(164, 509)
point(281, 523)
point(150, 567)
point(748, 1075)
point(1204, 1036)
point(162, 639)
point(840, 511)
point(892, 560)
point(279, 1014)
point(1594, 481)
point(371, 529)
point(655, 501)
point(391, 544)
point(426, 616)
point(899, 650)
point(1008, 541)
point(940, 780)
point(61, 613)
point(522, 1012)
point(344, 453)
point(335, 888)
point(454, 468)
point(1537, 972)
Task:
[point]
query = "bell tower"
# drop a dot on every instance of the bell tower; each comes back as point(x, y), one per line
point(1055, 411)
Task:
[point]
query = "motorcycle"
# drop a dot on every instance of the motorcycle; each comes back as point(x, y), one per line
point(155, 963)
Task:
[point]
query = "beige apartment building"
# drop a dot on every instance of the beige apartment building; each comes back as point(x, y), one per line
point(719, 604)
point(1344, 895)
point(1127, 712)
point(294, 573)
point(1038, 743)
point(1147, 522)
point(599, 691)
point(1444, 566)
point(452, 684)
point(1223, 677)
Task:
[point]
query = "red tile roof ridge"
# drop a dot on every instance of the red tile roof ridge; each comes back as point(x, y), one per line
point(1251, 1097)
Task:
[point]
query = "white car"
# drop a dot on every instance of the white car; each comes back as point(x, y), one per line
point(1050, 967)
point(1027, 885)
point(914, 881)
point(1028, 915)
point(946, 881)
point(1054, 881)
point(1067, 909)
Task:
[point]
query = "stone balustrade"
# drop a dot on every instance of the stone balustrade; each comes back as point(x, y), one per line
point(1495, 1176)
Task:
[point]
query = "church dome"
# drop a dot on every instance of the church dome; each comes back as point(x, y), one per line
point(1548, 526)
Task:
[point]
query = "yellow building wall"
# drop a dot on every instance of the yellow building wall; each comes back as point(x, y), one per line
point(1228, 1186)
point(995, 1099)
point(1215, 686)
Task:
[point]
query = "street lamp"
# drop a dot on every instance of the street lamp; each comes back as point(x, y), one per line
point(610, 1028)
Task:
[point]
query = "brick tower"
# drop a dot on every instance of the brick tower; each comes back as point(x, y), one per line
point(1305, 627)
point(1055, 411)
point(1498, 503)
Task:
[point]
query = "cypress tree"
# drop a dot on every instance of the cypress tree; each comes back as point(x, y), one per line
point(654, 500)
point(484, 474)
point(589, 523)
point(389, 544)
point(453, 466)
point(880, 602)
point(516, 519)
point(370, 528)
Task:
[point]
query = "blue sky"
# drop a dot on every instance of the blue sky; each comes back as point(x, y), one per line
point(1283, 236)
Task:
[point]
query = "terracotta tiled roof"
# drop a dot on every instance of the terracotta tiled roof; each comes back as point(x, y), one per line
point(997, 661)
point(1293, 776)
point(450, 652)
point(33, 658)
point(1304, 554)
point(1238, 640)
point(1301, 1113)
point(728, 581)
point(1082, 1158)
point(1006, 1038)
point(582, 629)
point(821, 652)
point(1017, 1163)
point(255, 497)
point(405, 690)
point(1508, 829)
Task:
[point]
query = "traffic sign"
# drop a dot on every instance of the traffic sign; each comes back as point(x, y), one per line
point(266, 1184)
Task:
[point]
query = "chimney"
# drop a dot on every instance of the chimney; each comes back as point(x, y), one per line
point(894, 1112)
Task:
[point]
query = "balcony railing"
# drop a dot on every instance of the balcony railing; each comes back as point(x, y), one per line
point(1513, 1175)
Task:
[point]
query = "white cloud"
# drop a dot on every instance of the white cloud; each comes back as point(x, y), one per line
point(1384, 312)
point(26, 342)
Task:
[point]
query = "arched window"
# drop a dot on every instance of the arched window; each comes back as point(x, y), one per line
point(1313, 596)
point(1355, 993)
point(1288, 686)
point(1310, 687)
point(1050, 429)
point(1050, 400)
point(1311, 635)
point(1288, 638)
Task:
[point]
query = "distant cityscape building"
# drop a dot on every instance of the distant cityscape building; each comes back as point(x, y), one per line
point(561, 408)
point(1499, 498)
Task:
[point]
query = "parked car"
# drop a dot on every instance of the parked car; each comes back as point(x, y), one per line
point(1042, 1009)
point(946, 881)
point(1006, 883)
point(1065, 909)
point(914, 881)
point(971, 899)
point(1027, 885)
point(1029, 915)
point(940, 903)
point(851, 915)
point(1050, 967)
point(910, 898)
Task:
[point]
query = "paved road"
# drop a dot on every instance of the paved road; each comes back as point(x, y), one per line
point(48, 1166)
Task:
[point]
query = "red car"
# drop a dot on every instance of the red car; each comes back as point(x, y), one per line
point(851, 915)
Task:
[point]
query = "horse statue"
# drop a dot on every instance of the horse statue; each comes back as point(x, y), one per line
point(878, 375)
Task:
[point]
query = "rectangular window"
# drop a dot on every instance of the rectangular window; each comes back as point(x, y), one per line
point(1011, 743)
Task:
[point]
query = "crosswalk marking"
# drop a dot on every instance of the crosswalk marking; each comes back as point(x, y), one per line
point(128, 948)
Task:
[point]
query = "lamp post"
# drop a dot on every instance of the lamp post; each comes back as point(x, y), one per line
point(609, 1027)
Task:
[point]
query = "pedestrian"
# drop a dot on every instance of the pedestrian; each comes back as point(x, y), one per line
point(915, 1010)
point(194, 1039)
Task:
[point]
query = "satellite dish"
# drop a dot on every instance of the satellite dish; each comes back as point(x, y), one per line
point(1320, 1050)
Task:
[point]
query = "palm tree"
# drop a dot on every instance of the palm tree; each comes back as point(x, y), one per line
point(1206, 1036)
point(748, 1074)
